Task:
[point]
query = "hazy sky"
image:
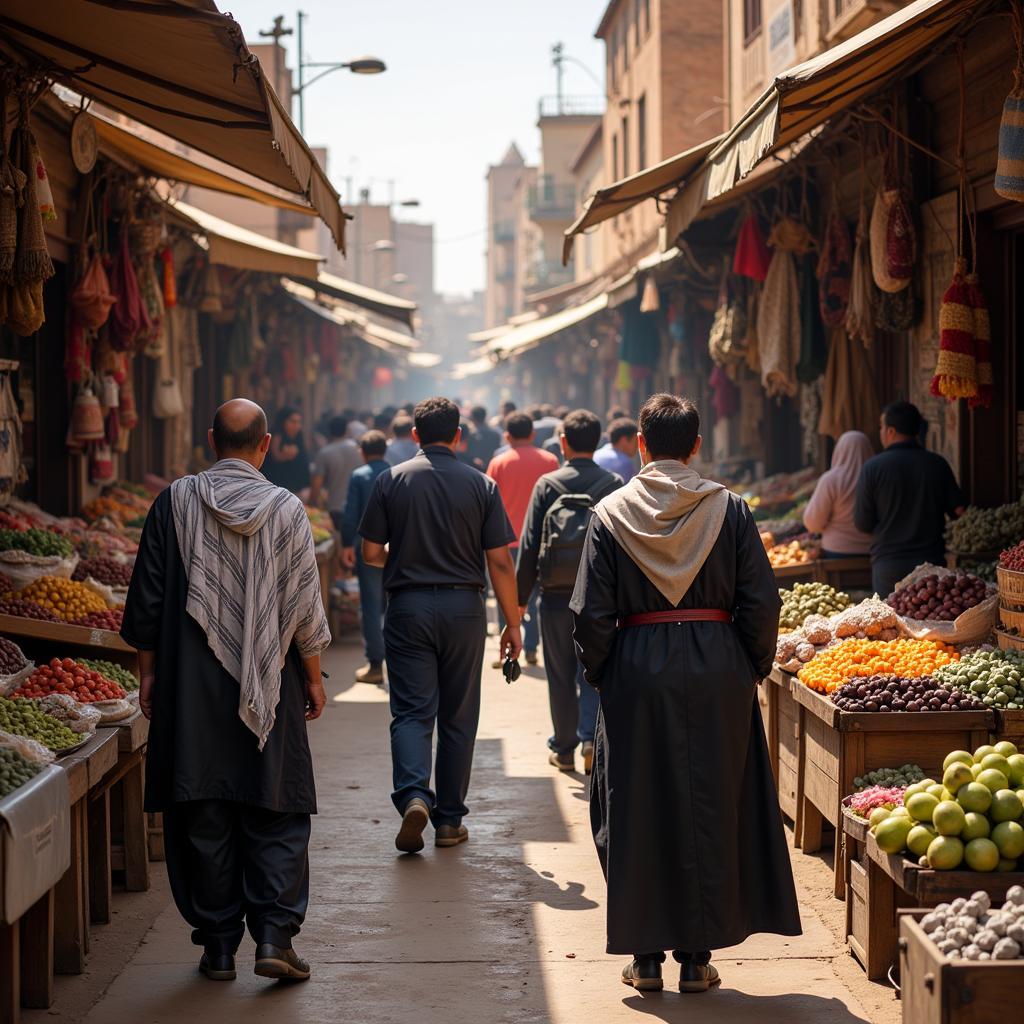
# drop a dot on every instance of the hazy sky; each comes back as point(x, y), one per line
point(463, 80)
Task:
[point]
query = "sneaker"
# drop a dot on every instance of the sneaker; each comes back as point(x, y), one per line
point(450, 835)
point(218, 966)
point(414, 821)
point(588, 758)
point(531, 658)
point(644, 975)
point(695, 977)
point(281, 964)
point(372, 673)
point(563, 762)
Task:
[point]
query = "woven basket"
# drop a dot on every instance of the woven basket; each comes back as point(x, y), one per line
point(1011, 586)
point(1009, 643)
point(1008, 617)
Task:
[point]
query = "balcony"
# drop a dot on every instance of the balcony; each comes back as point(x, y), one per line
point(545, 274)
point(752, 65)
point(504, 231)
point(549, 201)
point(848, 17)
point(570, 106)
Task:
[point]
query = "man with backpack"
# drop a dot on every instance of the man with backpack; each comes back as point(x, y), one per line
point(550, 549)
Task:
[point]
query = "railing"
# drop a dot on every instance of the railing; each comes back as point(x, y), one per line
point(505, 231)
point(548, 200)
point(752, 65)
point(570, 106)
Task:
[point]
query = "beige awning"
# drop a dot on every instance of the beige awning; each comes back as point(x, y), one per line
point(614, 199)
point(425, 360)
point(234, 246)
point(181, 67)
point(521, 339)
point(366, 298)
point(462, 371)
point(807, 95)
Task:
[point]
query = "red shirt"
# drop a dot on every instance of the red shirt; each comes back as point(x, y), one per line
point(515, 472)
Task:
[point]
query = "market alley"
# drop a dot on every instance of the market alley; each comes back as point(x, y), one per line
point(508, 927)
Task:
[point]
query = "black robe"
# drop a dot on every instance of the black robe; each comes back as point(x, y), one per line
point(199, 749)
point(683, 804)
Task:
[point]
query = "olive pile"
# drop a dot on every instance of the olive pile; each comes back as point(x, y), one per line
point(12, 660)
point(889, 778)
point(986, 529)
point(940, 598)
point(23, 718)
point(103, 570)
point(15, 771)
point(807, 599)
point(36, 542)
point(891, 693)
point(993, 676)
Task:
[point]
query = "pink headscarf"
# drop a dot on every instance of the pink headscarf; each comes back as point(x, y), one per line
point(852, 450)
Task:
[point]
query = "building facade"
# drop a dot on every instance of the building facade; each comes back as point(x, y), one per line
point(504, 254)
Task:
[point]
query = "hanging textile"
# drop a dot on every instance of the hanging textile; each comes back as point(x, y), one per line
point(1009, 181)
point(878, 233)
point(752, 255)
point(128, 321)
point(641, 343)
point(834, 270)
point(860, 312)
point(12, 469)
point(849, 401)
point(12, 193)
point(956, 372)
point(813, 341)
point(982, 344)
point(726, 396)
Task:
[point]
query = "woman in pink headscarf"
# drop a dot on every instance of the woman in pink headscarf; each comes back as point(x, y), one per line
point(830, 510)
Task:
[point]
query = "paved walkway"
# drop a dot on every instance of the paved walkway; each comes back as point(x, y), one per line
point(507, 928)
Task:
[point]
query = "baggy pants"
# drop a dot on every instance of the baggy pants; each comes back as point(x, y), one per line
point(434, 641)
point(232, 865)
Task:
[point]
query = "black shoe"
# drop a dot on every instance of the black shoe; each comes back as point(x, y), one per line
point(282, 964)
point(563, 762)
point(644, 975)
point(217, 966)
point(694, 977)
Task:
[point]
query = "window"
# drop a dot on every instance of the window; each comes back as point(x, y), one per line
point(647, 17)
point(641, 132)
point(751, 19)
point(625, 147)
point(615, 157)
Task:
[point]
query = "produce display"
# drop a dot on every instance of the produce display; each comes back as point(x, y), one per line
point(1013, 558)
point(981, 530)
point(15, 770)
point(23, 718)
point(972, 819)
point(115, 673)
point(891, 693)
point(80, 718)
point(781, 491)
point(103, 570)
point(902, 777)
point(995, 677)
point(67, 676)
point(66, 599)
point(939, 598)
point(972, 930)
point(870, 619)
point(43, 543)
point(867, 801)
point(25, 609)
point(109, 619)
point(12, 660)
point(855, 658)
point(794, 552)
point(807, 599)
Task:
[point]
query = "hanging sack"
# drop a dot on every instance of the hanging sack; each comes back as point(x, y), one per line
point(982, 344)
point(127, 414)
point(860, 312)
point(878, 234)
point(1009, 181)
point(92, 298)
point(897, 311)
point(170, 284)
point(101, 465)
point(900, 240)
point(86, 416)
point(128, 318)
point(956, 372)
point(211, 301)
point(834, 270)
point(109, 397)
point(729, 327)
point(12, 470)
point(167, 400)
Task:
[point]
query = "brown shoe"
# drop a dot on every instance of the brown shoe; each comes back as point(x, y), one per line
point(281, 964)
point(644, 975)
point(450, 835)
point(563, 762)
point(371, 673)
point(531, 658)
point(697, 977)
point(414, 821)
point(588, 758)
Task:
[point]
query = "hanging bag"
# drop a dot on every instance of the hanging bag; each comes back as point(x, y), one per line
point(167, 400)
point(1009, 181)
point(86, 416)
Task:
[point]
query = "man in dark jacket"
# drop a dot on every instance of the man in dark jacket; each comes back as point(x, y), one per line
point(573, 703)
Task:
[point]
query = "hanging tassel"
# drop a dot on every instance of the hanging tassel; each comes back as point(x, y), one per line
point(650, 301)
point(169, 281)
point(983, 345)
point(956, 373)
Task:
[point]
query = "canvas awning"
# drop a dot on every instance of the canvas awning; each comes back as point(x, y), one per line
point(181, 67)
point(521, 339)
point(234, 246)
point(366, 298)
point(614, 199)
point(462, 371)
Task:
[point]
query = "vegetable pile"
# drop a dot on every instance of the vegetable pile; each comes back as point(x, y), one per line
point(891, 693)
point(103, 570)
point(1013, 558)
point(868, 800)
point(902, 777)
point(15, 770)
point(995, 677)
point(939, 598)
point(67, 676)
point(115, 673)
point(981, 530)
point(854, 658)
point(972, 930)
point(795, 552)
point(67, 599)
point(12, 660)
point(23, 718)
point(43, 543)
point(807, 599)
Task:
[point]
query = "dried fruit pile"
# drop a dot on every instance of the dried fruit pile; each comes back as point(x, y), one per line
point(67, 599)
point(25, 609)
point(854, 658)
point(103, 570)
point(939, 598)
point(1013, 558)
point(23, 718)
point(995, 677)
point(891, 693)
point(12, 660)
point(981, 530)
point(807, 599)
point(67, 676)
point(109, 619)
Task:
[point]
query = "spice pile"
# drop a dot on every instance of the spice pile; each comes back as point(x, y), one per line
point(23, 718)
point(869, 619)
point(855, 658)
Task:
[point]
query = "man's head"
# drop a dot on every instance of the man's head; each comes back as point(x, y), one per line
point(518, 429)
point(669, 429)
point(506, 408)
point(581, 431)
point(622, 434)
point(901, 421)
point(240, 432)
point(616, 412)
point(401, 427)
point(436, 422)
point(374, 445)
point(337, 427)
point(478, 414)
point(382, 421)
point(561, 411)
point(534, 412)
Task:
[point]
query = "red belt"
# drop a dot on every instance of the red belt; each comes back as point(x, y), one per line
point(677, 615)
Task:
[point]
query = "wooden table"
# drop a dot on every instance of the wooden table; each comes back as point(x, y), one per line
point(837, 746)
point(799, 572)
point(66, 635)
point(846, 573)
point(783, 726)
point(129, 847)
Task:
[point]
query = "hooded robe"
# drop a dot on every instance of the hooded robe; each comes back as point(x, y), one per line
point(684, 808)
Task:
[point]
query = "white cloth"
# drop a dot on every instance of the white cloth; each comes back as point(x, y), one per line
point(253, 583)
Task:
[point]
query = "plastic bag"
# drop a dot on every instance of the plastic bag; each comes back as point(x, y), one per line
point(21, 568)
point(8, 684)
point(79, 718)
point(31, 750)
point(973, 626)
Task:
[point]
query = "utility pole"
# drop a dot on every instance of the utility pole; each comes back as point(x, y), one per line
point(277, 33)
point(299, 18)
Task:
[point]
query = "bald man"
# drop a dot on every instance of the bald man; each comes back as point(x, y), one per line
point(224, 609)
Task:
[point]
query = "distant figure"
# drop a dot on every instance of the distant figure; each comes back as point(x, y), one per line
point(544, 425)
point(619, 454)
point(332, 469)
point(225, 611)
point(287, 463)
point(830, 510)
point(401, 446)
point(358, 423)
point(504, 411)
point(485, 440)
point(904, 497)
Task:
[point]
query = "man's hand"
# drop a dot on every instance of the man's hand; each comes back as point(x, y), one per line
point(316, 699)
point(146, 696)
point(511, 642)
point(522, 611)
point(348, 557)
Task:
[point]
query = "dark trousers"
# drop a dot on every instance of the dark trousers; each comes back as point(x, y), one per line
point(703, 958)
point(371, 609)
point(887, 572)
point(574, 702)
point(232, 865)
point(434, 642)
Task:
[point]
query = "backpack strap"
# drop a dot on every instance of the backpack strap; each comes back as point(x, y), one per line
point(604, 491)
point(558, 486)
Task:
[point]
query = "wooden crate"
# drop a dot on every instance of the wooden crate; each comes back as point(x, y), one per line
point(801, 572)
point(1010, 726)
point(784, 740)
point(846, 573)
point(837, 746)
point(937, 990)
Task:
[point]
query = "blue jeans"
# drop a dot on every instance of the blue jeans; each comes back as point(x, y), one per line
point(371, 609)
point(531, 627)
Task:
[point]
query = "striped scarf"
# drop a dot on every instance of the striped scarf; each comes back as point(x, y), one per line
point(253, 584)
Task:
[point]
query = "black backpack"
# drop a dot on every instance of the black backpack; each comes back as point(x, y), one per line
point(563, 533)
